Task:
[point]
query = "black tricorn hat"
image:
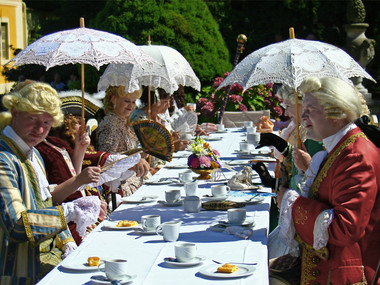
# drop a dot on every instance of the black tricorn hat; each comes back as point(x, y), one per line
point(72, 104)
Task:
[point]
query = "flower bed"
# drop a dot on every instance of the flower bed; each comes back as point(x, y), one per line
point(261, 97)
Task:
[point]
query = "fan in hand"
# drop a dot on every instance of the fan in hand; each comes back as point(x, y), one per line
point(155, 139)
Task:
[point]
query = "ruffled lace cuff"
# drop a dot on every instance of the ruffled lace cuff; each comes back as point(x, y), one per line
point(82, 211)
point(287, 229)
point(320, 232)
point(68, 248)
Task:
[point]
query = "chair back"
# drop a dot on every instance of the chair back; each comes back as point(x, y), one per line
point(236, 119)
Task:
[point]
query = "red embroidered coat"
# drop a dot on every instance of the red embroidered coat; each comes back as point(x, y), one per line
point(348, 183)
point(58, 171)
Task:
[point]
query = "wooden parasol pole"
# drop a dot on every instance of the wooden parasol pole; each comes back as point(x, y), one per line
point(149, 103)
point(292, 36)
point(83, 122)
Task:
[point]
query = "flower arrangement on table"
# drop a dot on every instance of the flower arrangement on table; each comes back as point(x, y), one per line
point(256, 98)
point(203, 157)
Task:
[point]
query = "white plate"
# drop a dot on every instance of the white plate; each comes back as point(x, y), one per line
point(213, 138)
point(238, 162)
point(175, 204)
point(263, 158)
point(161, 182)
point(139, 199)
point(246, 199)
point(243, 152)
point(177, 166)
point(111, 225)
point(221, 132)
point(196, 261)
point(79, 266)
point(212, 198)
point(101, 279)
point(246, 223)
point(211, 271)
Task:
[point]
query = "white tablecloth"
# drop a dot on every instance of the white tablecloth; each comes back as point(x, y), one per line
point(146, 253)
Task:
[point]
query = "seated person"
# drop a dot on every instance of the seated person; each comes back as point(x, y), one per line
point(335, 218)
point(64, 153)
point(115, 135)
point(160, 102)
point(33, 231)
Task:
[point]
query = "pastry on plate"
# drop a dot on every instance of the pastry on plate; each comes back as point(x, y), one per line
point(126, 223)
point(227, 268)
point(93, 261)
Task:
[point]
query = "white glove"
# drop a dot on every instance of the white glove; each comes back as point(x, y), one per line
point(83, 211)
point(68, 248)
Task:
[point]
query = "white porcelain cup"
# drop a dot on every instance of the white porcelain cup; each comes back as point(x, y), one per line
point(251, 130)
point(253, 138)
point(248, 124)
point(185, 251)
point(220, 127)
point(219, 190)
point(191, 188)
point(244, 147)
point(186, 176)
point(169, 230)
point(172, 196)
point(192, 204)
point(149, 223)
point(236, 216)
point(115, 269)
point(192, 104)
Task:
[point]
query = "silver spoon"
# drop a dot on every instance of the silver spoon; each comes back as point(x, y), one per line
point(218, 262)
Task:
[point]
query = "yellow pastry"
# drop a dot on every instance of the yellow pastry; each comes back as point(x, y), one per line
point(93, 261)
point(127, 223)
point(227, 268)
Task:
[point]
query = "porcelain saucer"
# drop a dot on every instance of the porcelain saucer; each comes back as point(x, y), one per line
point(101, 279)
point(246, 223)
point(173, 261)
point(213, 198)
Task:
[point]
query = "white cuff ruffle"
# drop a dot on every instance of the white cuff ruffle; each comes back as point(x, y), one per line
point(83, 211)
point(287, 229)
point(320, 232)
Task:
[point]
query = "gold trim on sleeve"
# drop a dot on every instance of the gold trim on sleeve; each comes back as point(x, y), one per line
point(28, 229)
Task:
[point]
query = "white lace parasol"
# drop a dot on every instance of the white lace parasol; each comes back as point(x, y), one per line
point(172, 70)
point(291, 61)
point(81, 45)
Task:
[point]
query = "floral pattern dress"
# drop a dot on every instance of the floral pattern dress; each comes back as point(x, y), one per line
point(114, 135)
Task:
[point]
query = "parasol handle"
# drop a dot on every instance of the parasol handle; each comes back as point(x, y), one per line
point(83, 122)
point(241, 40)
point(292, 36)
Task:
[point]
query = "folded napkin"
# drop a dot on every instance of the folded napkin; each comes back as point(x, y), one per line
point(240, 232)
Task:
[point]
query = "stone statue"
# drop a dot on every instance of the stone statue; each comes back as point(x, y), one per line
point(357, 44)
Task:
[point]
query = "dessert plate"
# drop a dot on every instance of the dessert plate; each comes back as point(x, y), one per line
point(197, 260)
point(212, 138)
point(101, 279)
point(176, 166)
point(213, 198)
point(139, 199)
point(79, 266)
point(212, 271)
point(246, 223)
point(111, 225)
point(221, 132)
point(161, 181)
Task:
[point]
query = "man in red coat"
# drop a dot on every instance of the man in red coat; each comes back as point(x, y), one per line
point(335, 221)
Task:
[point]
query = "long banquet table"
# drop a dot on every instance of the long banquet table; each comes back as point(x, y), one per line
point(146, 253)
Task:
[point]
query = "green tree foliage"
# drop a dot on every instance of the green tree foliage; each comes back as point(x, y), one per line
point(187, 26)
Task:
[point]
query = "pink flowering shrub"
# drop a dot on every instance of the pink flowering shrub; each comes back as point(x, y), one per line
point(260, 97)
